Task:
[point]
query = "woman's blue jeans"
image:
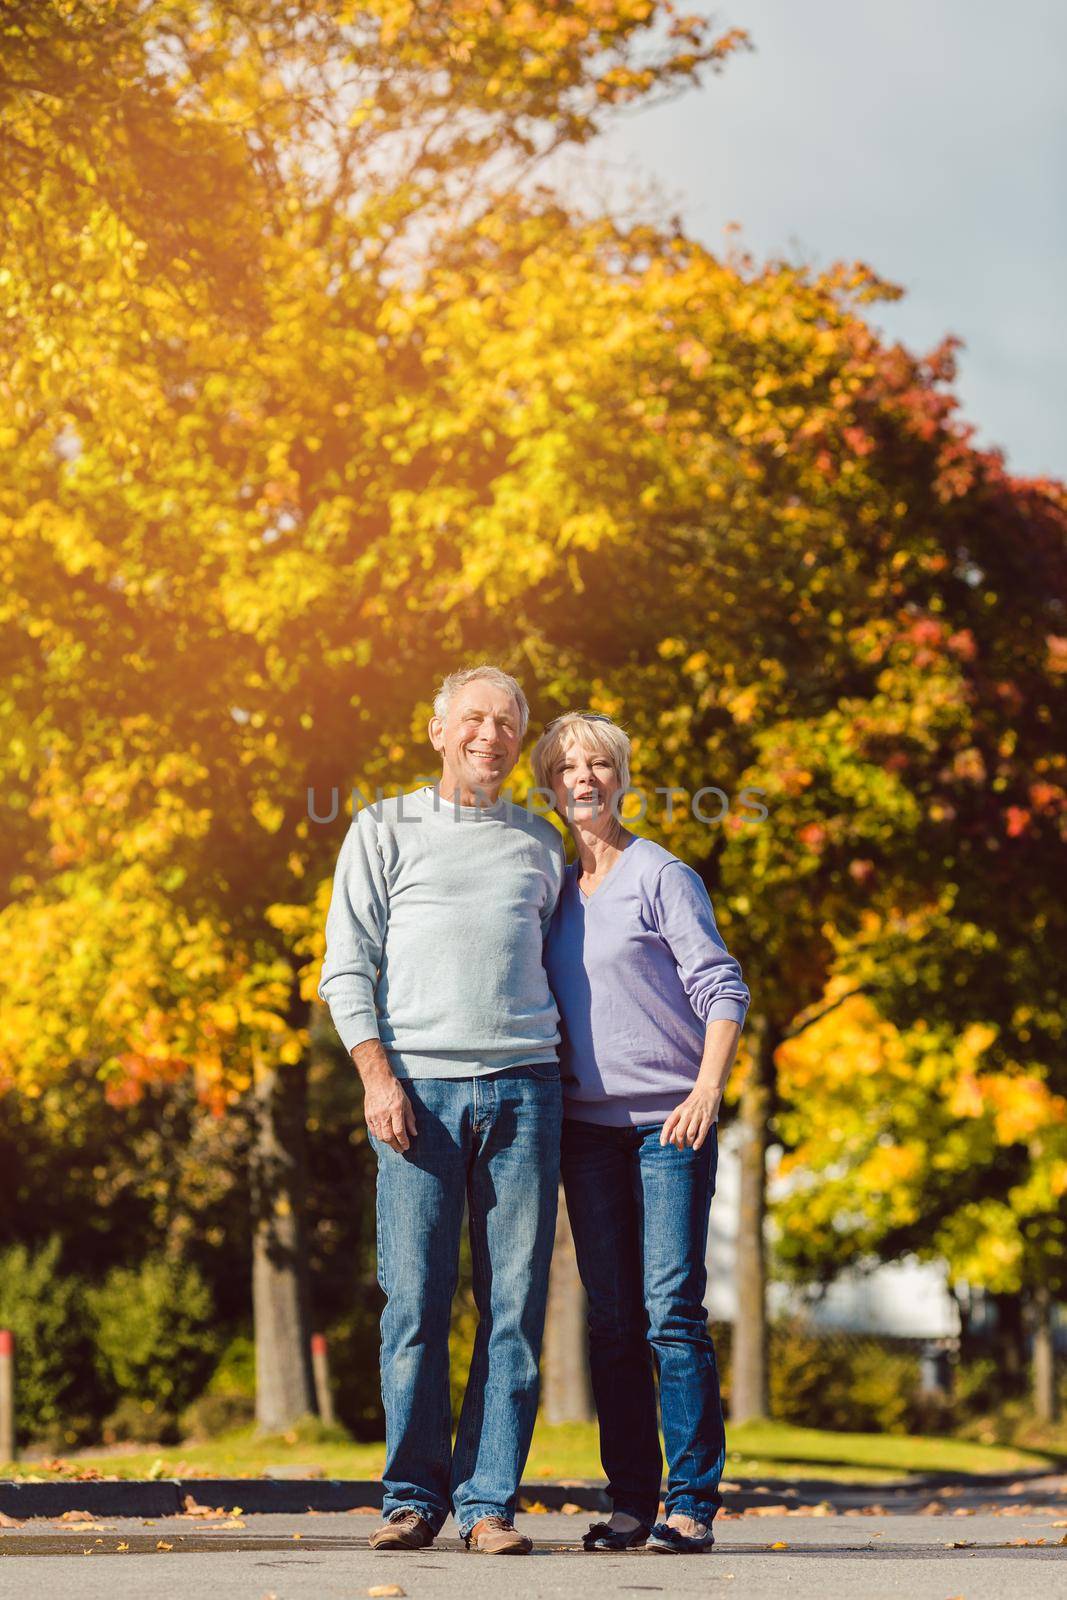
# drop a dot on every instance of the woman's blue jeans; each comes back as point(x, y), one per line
point(639, 1214)
point(491, 1144)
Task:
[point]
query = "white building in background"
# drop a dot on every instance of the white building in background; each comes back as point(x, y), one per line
point(908, 1300)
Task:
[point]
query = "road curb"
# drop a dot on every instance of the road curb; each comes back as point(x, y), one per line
point(165, 1497)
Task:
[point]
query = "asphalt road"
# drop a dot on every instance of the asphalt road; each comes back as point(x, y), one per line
point(980, 1557)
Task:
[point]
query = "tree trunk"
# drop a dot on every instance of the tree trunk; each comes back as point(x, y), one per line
point(748, 1377)
point(1011, 1342)
point(285, 1389)
point(566, 1394)
point(1044, 1357)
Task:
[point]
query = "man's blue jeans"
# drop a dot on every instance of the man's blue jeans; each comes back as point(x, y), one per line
point(491, 1143)
point(639, 1214)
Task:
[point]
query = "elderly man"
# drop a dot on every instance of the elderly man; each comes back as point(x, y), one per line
point(434, 979)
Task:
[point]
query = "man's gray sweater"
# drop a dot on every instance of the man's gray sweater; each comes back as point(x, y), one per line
point(434, 935)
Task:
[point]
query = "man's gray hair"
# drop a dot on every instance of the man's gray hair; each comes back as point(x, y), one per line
point(494, 675)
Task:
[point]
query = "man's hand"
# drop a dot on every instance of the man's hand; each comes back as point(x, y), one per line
point(692, 1121)
point(388, 1110)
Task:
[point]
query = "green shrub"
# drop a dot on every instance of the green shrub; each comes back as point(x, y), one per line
point(154, 1333)
point(804, 1378)
point(354, 1342)
point(977, 1386)
point(215, 1414)
point(139, 1422)
point(461, 1338)
point(847, 1383)
point(883, 1389)
point(45, 1309)
point(235, 1373)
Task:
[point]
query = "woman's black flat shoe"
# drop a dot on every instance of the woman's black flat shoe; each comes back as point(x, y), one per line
point(668, 1541)
point(602, 1536)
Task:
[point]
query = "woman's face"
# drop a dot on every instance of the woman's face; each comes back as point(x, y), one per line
point(583, 783)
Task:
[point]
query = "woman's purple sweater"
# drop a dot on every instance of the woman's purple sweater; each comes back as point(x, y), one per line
point(638, 971)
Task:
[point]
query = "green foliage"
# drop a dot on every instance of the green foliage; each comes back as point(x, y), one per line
point(461, 1348)
point(235, 1373)
point(136, 1421)
point(46, 1312)
point(977, 1385)
point(851, 1385)
point(354, 1342)
point(154, 1333)
point(228, 1400)
point(212, 1415)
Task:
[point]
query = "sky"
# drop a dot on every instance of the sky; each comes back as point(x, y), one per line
point(927, 138)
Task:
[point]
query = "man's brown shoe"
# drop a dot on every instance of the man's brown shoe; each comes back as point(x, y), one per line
point(405, 1530)
point(495, 1536)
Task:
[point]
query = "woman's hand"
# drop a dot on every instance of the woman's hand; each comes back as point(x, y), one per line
point(690, 1123)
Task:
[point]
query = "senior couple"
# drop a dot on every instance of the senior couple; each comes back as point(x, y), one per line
point(511, 1018)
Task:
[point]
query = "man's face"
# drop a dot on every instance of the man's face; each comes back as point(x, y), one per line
point(479, 740)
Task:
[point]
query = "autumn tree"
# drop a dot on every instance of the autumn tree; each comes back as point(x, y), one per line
point(733, 516)
point(216, 426)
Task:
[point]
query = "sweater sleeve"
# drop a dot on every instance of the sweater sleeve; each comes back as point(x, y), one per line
point(556, 870)
point(684, 917)
point(355, 934)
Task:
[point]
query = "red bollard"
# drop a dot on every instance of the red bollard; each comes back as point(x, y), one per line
point(320, 1366)
point(7, 1395)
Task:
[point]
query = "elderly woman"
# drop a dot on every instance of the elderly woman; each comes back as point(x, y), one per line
point(652, 1006)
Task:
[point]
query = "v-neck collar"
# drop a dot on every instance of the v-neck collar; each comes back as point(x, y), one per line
point(586, 899)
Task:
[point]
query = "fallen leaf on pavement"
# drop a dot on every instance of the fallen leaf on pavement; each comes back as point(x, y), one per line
point(161, 1544)
point(76, 1516)
point(532, 1507)
point(190, 1508)
point(363, 1511)
point(123, 1546)
point(569, 1509)
point(779, 1544)
point(766, 1511)
point(10, 1522)
point(385, 1589)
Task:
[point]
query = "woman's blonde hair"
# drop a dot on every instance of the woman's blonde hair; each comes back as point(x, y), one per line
point(593, 732)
